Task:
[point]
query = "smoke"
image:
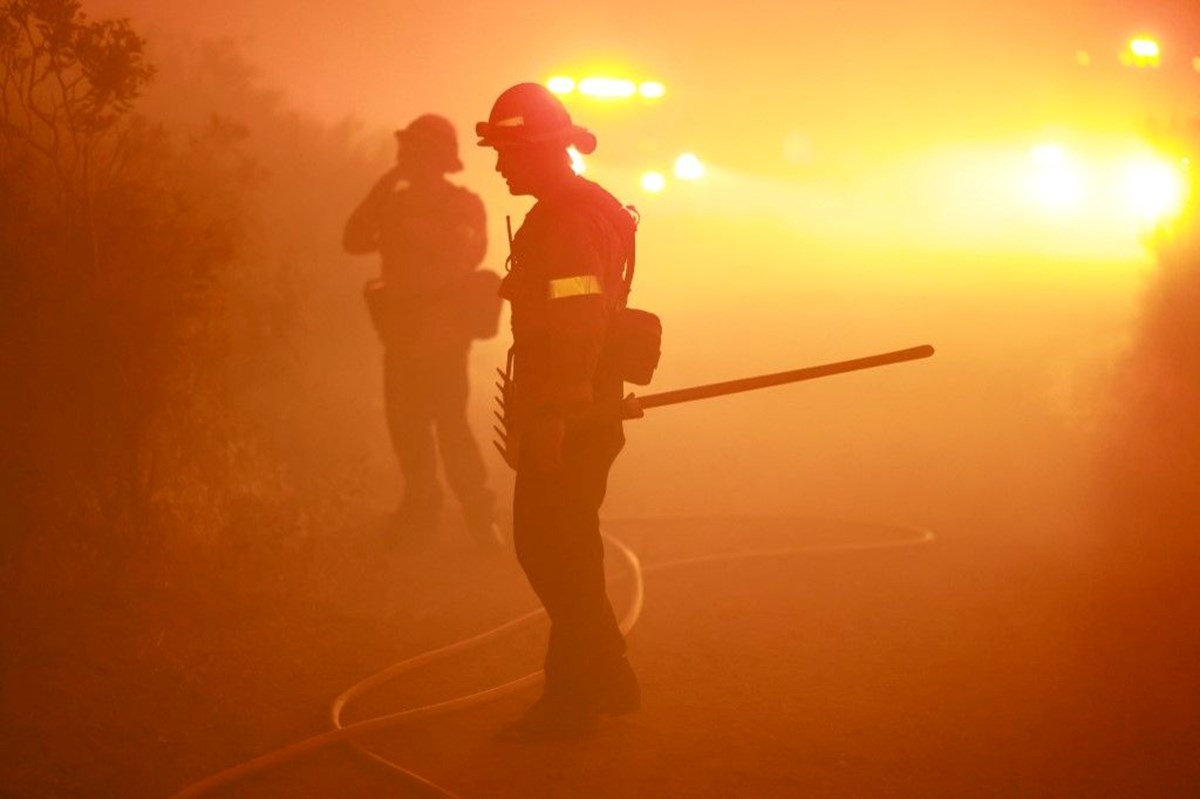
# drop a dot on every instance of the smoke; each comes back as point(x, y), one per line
point(1150, 494)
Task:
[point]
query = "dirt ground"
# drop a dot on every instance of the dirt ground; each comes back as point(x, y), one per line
point(965, 667)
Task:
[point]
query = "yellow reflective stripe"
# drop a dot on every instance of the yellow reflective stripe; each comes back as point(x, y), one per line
point(579, 286)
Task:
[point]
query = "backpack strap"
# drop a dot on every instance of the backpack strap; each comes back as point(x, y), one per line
point(631, 260)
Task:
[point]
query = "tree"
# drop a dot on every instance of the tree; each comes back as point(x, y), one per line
point(115, 239)
point(67, 85)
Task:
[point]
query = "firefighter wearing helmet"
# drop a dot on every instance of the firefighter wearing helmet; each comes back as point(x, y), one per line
point(431, 237)
point(565, 287)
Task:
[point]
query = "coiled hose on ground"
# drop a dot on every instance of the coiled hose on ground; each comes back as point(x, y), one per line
point(349, 732)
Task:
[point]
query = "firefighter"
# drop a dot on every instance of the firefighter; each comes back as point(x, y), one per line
point(564, 287)
point(431, 237)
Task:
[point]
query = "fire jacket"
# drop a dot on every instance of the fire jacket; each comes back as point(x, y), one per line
point(428, 239)
point(565, 286)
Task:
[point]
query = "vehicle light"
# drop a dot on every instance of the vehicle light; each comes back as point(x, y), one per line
point(688, 167)
point(605, 88)
point(654, 182)
point(652, 89)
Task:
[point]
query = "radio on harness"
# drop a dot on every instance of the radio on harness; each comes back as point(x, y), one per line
point(635, 336)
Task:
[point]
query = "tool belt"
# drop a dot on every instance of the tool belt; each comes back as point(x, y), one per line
point(391, 313)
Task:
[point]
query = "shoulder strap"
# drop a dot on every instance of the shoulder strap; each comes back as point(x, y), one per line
point(631, 260)
point(625, 225)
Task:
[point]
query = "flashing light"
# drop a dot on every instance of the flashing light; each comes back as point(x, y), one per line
point(560, 84)
point(1155, 188)
point(1144, 48)
point(1142, 52)
point(607, 88)
point(688, 167)
point(654, 182)
point(1143, 187)
point(652, 90)
point(578, 165)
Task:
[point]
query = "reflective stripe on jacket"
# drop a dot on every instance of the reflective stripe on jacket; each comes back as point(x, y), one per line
point(566, 282)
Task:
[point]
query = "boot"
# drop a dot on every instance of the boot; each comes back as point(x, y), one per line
point(551, 719)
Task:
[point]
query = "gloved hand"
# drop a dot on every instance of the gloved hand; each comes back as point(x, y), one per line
point(542, 444)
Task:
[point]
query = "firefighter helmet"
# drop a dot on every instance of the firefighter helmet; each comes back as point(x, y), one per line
point(529, 114)
point(433, 137)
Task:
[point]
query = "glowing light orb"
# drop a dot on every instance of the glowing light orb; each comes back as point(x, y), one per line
point(1144, 48)
point(560, 84)
point(652, 90)
point(1155, 189)
point(688, 167)
point(654, 182)
point(607, 88)
point(1142, 52)
point(578, 165)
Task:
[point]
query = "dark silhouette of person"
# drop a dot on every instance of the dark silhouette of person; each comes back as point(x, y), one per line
point(431, 237)
point(565, 285)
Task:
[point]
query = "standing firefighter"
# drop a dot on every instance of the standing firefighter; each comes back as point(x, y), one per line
point(431, 237)
point(565, 287)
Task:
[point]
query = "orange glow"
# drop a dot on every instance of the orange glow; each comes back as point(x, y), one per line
point(205, 487)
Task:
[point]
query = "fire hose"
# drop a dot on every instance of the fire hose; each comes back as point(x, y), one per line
point(634, 407)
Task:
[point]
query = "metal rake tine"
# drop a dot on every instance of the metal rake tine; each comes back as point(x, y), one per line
point(500, 418)
point(503, 434)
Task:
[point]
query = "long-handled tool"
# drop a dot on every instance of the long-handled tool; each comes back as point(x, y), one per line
point(634, 407)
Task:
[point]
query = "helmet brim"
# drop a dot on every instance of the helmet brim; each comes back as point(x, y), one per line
point(496, 136)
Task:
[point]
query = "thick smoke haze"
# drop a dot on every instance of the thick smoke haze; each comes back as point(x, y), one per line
point(868, 167)
point(839, 260)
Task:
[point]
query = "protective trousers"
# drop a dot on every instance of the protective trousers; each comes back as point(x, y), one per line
point(556, 534)
point(425, 394)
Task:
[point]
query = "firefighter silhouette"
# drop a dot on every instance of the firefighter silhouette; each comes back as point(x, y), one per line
point(431, 237)
point(565, 287)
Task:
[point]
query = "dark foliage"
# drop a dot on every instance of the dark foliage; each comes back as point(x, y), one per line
point(167, 299)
